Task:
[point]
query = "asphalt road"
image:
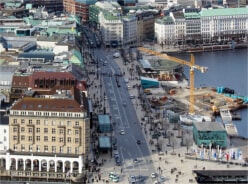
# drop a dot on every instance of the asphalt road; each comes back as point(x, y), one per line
point(123, 116)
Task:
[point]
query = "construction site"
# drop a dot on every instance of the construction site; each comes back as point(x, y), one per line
point(186, 103)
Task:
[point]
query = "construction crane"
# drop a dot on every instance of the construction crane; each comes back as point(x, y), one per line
point(192, 66)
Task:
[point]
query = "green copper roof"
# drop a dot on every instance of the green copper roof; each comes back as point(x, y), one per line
point(192, 15)
point(224, 11)
point(167, 20)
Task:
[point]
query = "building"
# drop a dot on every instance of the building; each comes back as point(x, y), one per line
point(4, 131)
point(224, 24)
point(207, 26)
point(166, 26)
point(48, 132)
point(209, 133)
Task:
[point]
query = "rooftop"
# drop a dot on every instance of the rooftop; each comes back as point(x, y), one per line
point(209, 126)
point(224, 12)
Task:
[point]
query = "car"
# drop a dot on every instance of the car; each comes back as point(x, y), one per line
point(122, 132)
point(114, 147)
point(105, 98)
point(162, 178)
point(153, 175)
point(118, 161)
point(135, 161)
point(131, 96)
point(138, 142)
point(124, 104)
point(129, 87)
point(126, 80)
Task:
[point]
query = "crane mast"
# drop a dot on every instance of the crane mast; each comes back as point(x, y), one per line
point(192, 66)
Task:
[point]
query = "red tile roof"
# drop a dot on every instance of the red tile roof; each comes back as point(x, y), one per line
point(21, 81)
point(43, 104)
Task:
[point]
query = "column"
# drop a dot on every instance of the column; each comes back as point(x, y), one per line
point(39, 165)
point(16, 161)
point(63, 167)
point(24, 165)
point(32, 165)
point(71, 167)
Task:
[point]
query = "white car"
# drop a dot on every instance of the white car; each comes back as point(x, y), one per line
point(122, 132)
point(153, 175)
point(131, 96)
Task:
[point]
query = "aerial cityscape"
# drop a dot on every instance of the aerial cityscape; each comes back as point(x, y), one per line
point(126, 91)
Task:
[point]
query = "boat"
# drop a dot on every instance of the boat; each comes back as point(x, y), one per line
point(225, 115)
point(231, 129)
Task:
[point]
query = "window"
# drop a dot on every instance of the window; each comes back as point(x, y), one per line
point(30, 138)
point(4, 131)
point(22, 137)
point(53, 139)
point(61, 131)
point(22, 129)
point(15, 121)
point(76, 150)
point(61, 149)
point(30, 130)
point(38, 138)
point(69, 131)
point(68, 123)
point(68, 149)
point(61, 139)
point(15, 147)
point(76, 132)
point(23, 147)
point(77, 123)
point(22, 121)
point(38, 148)
point(4, 138)
point(76, 140)
point(46, 148)
point(15, 129)
point(30, 122)
point(15, 138)
point(45, 122)
point(53, 130)
point(53, 149)
point(54, 123)
point(30, 147)
point(37, 130)
point(45, 138)
point(37, 122)
point(68, 139)
point(45, 130)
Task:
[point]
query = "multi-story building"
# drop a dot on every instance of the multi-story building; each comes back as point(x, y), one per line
point(224, 24)
point(111, 27)
point(208, 25)
point(48, 132)
point(79, 8)
point(193, 24)
point(167, 29)
point(180, 26)
point(129, 30)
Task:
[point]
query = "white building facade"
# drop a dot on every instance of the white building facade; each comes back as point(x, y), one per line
point(224, 23)
point(165, 30)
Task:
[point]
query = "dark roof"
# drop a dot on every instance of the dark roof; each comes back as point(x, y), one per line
point(221, 172)
point(4, 118)
point(48, 56)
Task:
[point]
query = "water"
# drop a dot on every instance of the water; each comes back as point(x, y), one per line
point(227, 69)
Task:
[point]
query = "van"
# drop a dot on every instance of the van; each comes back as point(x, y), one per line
point(126, 80)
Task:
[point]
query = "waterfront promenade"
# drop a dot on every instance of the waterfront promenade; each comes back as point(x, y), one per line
point(174, 164)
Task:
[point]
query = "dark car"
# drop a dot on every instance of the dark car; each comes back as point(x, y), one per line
point(138, 142)
point(118, 161)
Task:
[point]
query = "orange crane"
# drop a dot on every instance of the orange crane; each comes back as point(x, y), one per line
point(192, 66)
